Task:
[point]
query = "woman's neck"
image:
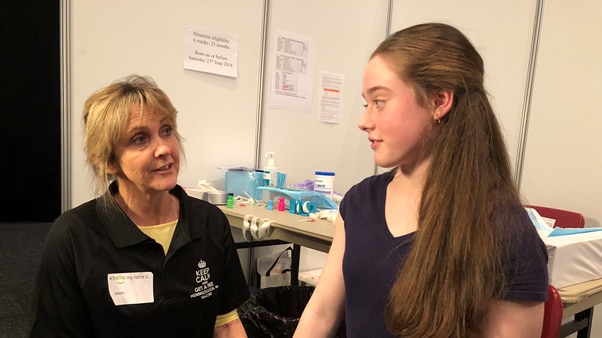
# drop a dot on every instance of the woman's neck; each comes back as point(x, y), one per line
point(147, 210)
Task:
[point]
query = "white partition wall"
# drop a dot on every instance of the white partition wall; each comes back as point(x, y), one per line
point(563, 160)
point(501, 31)
point(344, 33)
point(216, 114)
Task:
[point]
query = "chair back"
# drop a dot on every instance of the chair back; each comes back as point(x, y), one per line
point(564, 218)
point(552, 317)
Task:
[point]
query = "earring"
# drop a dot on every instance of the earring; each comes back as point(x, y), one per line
point(436, 119)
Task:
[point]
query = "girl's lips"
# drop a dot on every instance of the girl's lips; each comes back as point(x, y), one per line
point(374, 143)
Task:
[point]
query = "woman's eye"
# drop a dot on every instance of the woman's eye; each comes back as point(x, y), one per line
point(139, 139)
point(167, 131)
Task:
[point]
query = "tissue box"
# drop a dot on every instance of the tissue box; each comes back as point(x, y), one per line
point(274, 269)
point(244, 180)
point(574, 259)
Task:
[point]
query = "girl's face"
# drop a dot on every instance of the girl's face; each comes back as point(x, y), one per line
point(396, 124)
point(147, 156)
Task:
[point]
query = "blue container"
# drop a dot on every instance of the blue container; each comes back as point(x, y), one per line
point(244, 180)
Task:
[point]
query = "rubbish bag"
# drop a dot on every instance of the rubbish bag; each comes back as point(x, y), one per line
point(274, 312)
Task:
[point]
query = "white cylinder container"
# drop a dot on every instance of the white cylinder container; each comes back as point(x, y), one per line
point(324, 182)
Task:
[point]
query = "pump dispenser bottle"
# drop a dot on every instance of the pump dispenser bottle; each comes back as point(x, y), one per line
point(270, 173)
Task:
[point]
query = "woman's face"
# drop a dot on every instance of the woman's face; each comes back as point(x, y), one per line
point(147, 156)
point(396, 124)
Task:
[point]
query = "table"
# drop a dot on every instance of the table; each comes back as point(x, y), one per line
point(286, 226)
point(318, 235)
point(579, 301)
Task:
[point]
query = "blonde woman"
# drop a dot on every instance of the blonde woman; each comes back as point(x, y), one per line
point(143, 259)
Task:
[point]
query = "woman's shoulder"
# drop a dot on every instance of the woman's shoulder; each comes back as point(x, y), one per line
point(74, 222)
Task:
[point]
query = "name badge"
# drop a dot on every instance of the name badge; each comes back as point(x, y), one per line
point(131, 287)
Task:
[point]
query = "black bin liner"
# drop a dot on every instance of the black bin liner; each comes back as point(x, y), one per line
point(274, 312)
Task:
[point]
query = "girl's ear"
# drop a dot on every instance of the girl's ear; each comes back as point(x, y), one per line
point(442, 100)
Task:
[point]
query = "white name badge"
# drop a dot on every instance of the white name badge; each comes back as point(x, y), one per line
point(131, 287)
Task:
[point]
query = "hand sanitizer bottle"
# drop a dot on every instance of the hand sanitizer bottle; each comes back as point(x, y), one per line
point(270, 173)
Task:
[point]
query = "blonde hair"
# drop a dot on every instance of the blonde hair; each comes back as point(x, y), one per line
point(106, 116)
point(454, 269)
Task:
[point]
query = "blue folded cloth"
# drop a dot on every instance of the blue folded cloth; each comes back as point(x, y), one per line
point(571, 231)
point(542, 226)
point(320, 200)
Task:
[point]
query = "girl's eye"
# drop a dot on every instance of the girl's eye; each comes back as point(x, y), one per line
point(377, 103)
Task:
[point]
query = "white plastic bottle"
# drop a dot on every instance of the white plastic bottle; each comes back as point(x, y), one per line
point(270, 172)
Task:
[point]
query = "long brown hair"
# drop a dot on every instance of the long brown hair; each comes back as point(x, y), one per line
point(454, 269)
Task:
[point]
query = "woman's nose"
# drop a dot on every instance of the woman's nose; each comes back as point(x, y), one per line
point(162, 147)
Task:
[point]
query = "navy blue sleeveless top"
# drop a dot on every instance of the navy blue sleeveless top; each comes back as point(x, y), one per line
point(373, 257)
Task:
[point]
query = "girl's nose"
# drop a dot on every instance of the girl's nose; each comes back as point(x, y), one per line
point(365, 123)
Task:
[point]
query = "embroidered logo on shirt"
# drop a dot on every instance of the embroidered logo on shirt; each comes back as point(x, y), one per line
point(205, 286)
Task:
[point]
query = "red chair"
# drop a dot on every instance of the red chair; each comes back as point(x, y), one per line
point(564, 218)
point(552, 316)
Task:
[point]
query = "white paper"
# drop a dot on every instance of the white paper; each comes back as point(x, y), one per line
point(211, 52)
point(292, 80)
point(331, 97)
point(131, 287)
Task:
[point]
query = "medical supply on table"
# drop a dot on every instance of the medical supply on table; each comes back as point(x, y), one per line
point(573, 253)
point(280, 180)
point(242, 181)
point(324, 182)
point(304, 208)
point(321, 201)
point(270, 172)
point(201, 189)
point(217, 197)
point(230, 201)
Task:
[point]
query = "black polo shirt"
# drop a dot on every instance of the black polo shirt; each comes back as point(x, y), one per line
point(100, 276)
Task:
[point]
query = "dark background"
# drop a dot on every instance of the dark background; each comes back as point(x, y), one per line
point(30, 121)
